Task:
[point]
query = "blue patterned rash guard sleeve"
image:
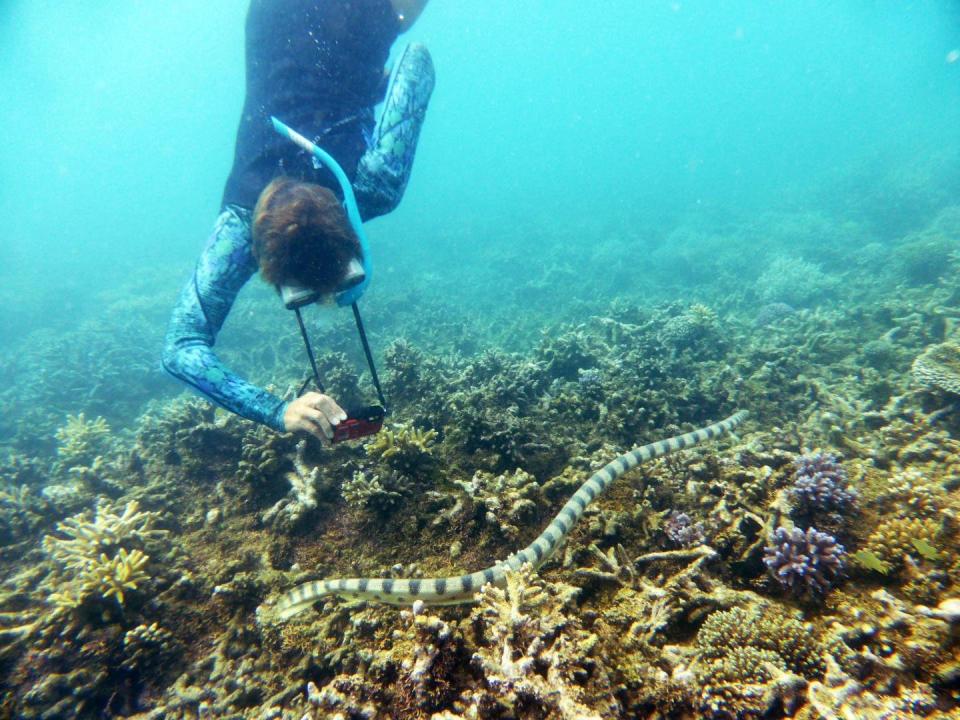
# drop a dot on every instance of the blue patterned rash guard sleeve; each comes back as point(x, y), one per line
point(384, 169)
point(225, 265)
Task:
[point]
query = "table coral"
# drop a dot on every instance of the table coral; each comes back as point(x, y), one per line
point(938, 368)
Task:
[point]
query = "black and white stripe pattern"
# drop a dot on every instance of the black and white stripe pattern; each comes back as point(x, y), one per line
point(463, 588)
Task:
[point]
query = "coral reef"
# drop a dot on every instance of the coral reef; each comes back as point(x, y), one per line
point(377, 492)
point(697, 327)
point(794, 281)
point(701, 585)
point(98, 556)
point(682, 530)
point(804, 562)
point(820, 484)
point(302, 497)
point(21, 512)
point(505, 502)
point(895, 541)
point(938, 368)
point(791, 644)
point(531, 654)
point(81, 440)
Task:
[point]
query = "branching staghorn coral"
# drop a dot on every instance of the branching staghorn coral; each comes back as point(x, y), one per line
point(406, 449)
point(103, 576)
point(504, 501)
point(81, 440)
point(646, 605)
point(101, 557)
point(531, 655)
point(302, 497)
point(462, 588)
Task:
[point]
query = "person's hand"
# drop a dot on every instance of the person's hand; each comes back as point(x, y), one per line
point(314, 413)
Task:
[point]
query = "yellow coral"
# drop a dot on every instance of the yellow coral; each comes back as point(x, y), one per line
point(88, 538)
point(763, 628)
point(81, 440)
point(914, 493)
point(389, 442)
point(119, 573)
point(897, 538)
point(404, 448)
point(702, 315)
point(96, 554)
point(104, 576)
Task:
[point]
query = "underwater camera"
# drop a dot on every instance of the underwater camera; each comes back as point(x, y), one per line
point(360, 422)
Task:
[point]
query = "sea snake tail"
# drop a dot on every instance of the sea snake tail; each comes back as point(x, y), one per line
point(463, 588)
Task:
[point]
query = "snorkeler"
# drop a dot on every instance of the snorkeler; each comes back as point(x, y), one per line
point(319, 65)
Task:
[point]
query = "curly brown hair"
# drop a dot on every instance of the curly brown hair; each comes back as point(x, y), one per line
point(301, 236)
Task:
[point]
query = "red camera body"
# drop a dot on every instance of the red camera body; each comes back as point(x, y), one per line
point(360, 422)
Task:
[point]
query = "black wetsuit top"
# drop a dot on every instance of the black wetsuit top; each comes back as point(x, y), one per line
point(317, 65)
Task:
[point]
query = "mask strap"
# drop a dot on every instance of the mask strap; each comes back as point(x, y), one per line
point(366, 351)
point(313, 360)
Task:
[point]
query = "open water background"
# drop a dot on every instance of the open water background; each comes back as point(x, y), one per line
point(556, 128)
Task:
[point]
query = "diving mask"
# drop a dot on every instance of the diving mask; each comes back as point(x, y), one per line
point(296, 296)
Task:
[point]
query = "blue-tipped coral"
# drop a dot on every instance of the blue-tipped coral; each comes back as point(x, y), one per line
point(820, 483)
point(805, 563)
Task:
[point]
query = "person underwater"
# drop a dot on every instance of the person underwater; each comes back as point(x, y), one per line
point(319, 65)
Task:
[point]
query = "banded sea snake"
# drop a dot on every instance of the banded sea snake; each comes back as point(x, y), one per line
point(463, 588)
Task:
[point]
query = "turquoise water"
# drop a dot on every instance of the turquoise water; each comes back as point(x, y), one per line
point(626, 221)
point(120, 122)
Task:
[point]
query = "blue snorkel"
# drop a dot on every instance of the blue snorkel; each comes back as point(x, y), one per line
point(351, 294)
point(367, 420)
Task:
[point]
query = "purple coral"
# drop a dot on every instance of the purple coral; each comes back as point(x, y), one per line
point(682, 530)
point(820, 483)
point(804, 562)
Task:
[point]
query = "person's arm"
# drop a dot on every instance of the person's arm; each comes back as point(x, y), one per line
point(224, 266)
point(384, 170)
